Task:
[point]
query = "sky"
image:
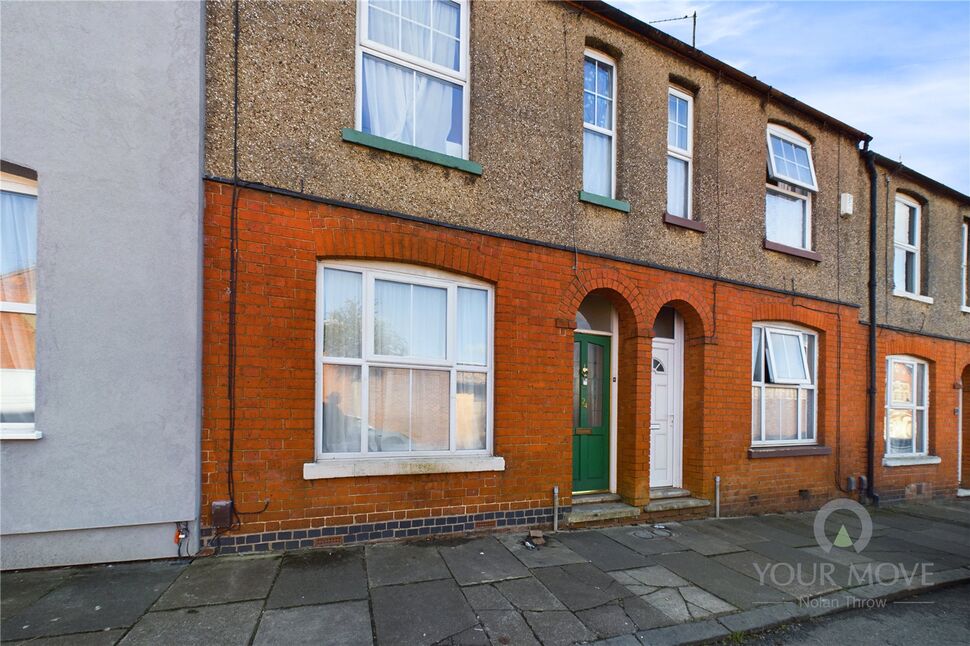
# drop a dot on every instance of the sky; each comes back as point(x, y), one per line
point(899, 71)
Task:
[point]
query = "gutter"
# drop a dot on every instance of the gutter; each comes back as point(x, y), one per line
point(900, 169)
point(870, 158)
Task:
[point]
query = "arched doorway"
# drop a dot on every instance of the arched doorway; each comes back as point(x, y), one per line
point(594, 396)
point(667, 401)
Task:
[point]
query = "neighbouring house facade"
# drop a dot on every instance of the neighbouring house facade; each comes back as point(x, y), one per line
point(100, 284)
point(486, 252)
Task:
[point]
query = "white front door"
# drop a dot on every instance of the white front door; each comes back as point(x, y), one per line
point(666, 434)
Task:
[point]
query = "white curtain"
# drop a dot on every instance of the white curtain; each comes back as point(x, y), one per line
point(676, 186)
point(392, 318)
point(341, 409)
point(429, 319)
point(471, 407)
point(388, 102)
point(597, 164)
point(436, 115)
point(472, 325)
point(785, 221)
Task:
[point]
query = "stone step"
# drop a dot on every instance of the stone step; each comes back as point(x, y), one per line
point(659, 493)
point(673, 504)
point(590, 513)
point(594, 498)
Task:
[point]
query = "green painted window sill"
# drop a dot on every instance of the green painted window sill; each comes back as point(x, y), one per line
point(407, 150)
point(608, 202)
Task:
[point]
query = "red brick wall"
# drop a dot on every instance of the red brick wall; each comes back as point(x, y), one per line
point(537, 292)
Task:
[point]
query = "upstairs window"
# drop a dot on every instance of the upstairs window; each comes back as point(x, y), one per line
point(791, 184)
point(412, 73)
point(404, 362)
point(783, 385)
point(906, 246)
point(599, 125)
point(18, 302)
point(907, 407)
point(680, 144)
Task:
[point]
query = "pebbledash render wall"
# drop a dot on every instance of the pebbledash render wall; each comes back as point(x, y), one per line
point(537, 291)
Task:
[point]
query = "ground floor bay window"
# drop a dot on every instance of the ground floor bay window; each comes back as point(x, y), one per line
point(783, 385)
point(404, 364)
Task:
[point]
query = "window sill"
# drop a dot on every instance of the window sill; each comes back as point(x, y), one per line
point(363, 467)
point(909, 460)
point(807, 254)
point(601, 200)
point(20, 435)
point(787, 451)
point(914, 297)
point(686, 223)
point(965, 309)
point(407, 150)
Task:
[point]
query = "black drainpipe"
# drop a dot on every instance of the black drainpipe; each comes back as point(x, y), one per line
point(871, 380)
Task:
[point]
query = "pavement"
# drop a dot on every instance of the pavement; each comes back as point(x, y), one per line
point(690, 582)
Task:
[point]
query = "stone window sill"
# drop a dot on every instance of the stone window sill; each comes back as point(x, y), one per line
point(406, 150)
point(914, 297)
point(687, 223)
point(807, 254)
point(363, 467)
point(602, 200)
point(787, 451)
point(20, 434)
point(909, 460)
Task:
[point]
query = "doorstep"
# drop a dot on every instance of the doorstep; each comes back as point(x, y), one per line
point(675, 504)
point(599, 507)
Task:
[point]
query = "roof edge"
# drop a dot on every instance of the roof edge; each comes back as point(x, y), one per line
point(898, 168)
point(637, 26)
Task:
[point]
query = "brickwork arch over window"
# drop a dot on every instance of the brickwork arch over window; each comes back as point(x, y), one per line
point(404, 362)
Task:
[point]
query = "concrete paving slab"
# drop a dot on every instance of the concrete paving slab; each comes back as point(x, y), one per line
point(581, 586)
point(946, 513)
point(314, 577)
point(529, 594)
point(607, 621)
point(558, 628)
point(700, 542)
point(895, 550)
point(781, 576)
point(817, 574)
point(622, 640)
point(20, 589)
point(731, 534)
point(95, 598)
point(507, 627)
point(643, 614)
point(100, 638)
point(602, 551)
point(761, 618)
point(720, 580)
point(474, 636)
point(940, 543)
point(482, 560)
point(698, 632)
point(221, 579)
point(656, 576)
point(838, 555)
point(420, 613)
point(778, 529)
point(549, 555)
point(485, 597)
point(642, 540)
point(346, 623)
point(396, 563)
point(228, 624)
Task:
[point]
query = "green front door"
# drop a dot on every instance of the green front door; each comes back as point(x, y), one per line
point(591, 413)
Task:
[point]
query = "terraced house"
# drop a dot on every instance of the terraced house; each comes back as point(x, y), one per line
point(474, 264)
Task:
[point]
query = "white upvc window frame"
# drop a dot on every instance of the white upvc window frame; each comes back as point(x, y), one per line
point(684, 154)
point(918, 408)
point(792, 137)
point(413, 275)
point(903, 247)
point(611, 133)
point(799, 386)
point(460, 77)
point(20, 430)
point(965, 267)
